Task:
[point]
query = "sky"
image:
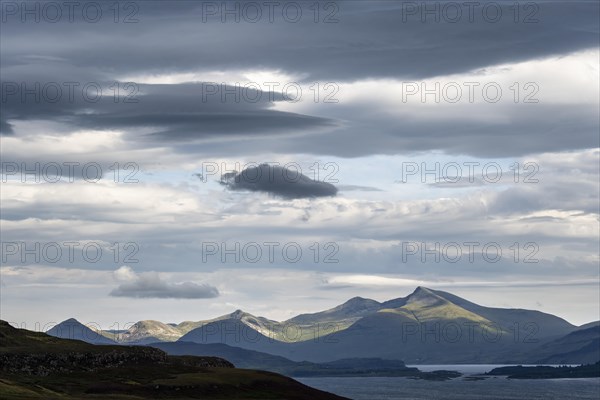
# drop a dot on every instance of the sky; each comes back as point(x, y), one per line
point(179, 160)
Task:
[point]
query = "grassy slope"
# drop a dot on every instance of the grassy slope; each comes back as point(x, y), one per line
point(143, 382)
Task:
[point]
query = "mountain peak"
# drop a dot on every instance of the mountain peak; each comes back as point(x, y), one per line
point(420, 294)
point(238, 314)
point(73, 329)
point(70, 321)
point(356, 298)
point(422, 289)
point(359, 300)
point(352, 309)
point(148, 323)
point(423, 295)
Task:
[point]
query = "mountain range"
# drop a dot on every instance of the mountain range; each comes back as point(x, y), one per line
point(426, 327)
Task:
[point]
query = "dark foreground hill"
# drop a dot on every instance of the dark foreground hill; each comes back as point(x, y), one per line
point(37, 366)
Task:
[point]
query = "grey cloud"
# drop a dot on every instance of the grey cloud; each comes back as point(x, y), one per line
point(180, 112)
point(279, 181)
point(529, 130)
point(150, 285)
point(5, 128)
point(555, 196)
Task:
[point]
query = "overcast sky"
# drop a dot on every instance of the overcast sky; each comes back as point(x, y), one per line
point(179, 160)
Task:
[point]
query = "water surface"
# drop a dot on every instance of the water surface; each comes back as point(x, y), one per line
point(496, 388)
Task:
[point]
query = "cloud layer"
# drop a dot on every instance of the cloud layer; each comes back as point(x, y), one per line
point(393, 44)
point(150, 285)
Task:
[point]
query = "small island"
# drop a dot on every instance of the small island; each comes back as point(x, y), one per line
point(547, 372)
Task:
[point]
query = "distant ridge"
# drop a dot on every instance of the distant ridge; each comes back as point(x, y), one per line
point(427, 326)
point(582, 345)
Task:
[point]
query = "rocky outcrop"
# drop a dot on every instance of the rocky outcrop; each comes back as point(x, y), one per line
point(202, 362)
point(43, 364)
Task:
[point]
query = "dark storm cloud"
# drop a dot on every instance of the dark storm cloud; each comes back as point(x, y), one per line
point(279, 181)
point(150, 285)
point(369, 39)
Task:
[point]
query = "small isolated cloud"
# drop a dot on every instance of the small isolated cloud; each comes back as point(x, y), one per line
point(150, 285)
point(278, 181)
